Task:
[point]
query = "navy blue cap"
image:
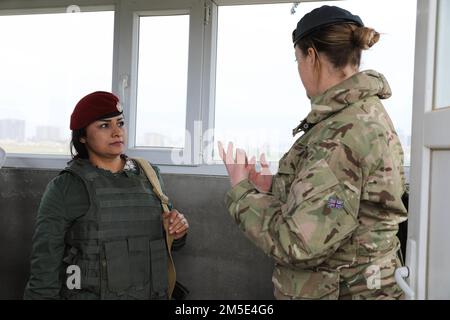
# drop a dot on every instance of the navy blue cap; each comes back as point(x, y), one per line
point(321, 17)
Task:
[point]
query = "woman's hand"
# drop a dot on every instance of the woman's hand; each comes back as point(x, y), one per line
point(261, 180)
point(178, 224)
point(238, 169)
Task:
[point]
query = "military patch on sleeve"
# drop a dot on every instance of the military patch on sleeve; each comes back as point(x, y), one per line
point(334, 203)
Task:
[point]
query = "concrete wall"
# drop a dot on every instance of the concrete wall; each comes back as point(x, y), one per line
point(218, 262)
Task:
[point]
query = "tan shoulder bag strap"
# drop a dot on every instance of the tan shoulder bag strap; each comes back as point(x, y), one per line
point(153, 178)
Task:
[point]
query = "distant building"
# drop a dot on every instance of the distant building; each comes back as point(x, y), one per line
point(48, 133)
point(13, 129)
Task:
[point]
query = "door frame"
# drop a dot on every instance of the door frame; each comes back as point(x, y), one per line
point(421, 146)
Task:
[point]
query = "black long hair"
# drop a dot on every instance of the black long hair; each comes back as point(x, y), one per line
point(80, 148)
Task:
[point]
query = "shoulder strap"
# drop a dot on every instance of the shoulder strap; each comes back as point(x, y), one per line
point(153, 178)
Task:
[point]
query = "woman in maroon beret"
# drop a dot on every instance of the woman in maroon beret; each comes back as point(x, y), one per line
point(99, 230)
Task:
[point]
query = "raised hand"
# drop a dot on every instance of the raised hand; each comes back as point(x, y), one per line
point(261, 180)
point(238, 169)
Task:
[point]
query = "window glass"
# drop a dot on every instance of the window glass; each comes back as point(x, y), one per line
point(49, 62)
point(441, 90)
point(259, 95)
point(162, 81)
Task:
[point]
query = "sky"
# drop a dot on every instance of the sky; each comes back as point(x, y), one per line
point(49, 62)
point(266, 81)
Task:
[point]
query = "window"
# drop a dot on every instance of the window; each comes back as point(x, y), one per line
point(259, 95)
point(48, 62)
point(162, 81)
point(441, 92)
point(159, 77)
point(258, 90)
point(189, 73)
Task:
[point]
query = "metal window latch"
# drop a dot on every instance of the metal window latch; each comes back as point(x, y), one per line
point(405, 272)
point(400, 275)
point(207, 15)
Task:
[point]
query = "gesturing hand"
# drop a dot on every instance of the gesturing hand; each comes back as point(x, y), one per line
point(238, 169)
point(261, 180)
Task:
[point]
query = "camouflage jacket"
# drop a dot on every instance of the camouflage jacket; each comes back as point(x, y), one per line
point(331, 218)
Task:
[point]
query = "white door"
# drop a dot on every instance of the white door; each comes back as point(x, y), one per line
point(428, 253)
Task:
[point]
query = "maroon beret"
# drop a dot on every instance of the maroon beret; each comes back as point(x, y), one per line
point(96, 105)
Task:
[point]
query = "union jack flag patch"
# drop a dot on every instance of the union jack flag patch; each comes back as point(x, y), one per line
point(335, 203)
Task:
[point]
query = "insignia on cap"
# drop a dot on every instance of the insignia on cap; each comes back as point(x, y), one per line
point(119, 107)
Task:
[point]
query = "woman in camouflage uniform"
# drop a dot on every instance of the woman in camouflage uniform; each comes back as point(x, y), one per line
point(101, 215)
point(329, 217)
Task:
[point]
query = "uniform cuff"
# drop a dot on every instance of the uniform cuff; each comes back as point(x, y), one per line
point(239, 191)
point(179, 243)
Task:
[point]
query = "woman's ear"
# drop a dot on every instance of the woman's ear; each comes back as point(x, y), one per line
point(311, 56)
point(82, 140)
point(315, 61)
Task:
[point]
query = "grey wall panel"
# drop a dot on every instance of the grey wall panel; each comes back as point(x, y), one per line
point(218, 262)
point(20, 193)
point(222, 263)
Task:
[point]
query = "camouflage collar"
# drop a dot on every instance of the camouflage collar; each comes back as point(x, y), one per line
point(359, 86)
point(303, 126)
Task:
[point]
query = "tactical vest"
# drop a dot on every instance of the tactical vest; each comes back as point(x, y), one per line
point(119, 243)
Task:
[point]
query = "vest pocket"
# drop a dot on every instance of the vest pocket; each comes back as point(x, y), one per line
point(139, 252)
point(159, 263)
point(117, 265)
point(90, 279)
point(305, 284)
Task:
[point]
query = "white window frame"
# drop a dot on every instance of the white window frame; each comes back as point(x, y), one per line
point(27, 7)
point(127, 72)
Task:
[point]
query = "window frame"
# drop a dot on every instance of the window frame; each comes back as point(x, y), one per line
point(200, 106)
point(127, 72)
point(26, 7)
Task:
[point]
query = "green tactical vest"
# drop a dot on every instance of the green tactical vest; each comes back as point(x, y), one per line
point(119, 243)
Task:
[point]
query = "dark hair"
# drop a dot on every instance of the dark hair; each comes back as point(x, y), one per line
point(80, 148)
point(341, 43)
